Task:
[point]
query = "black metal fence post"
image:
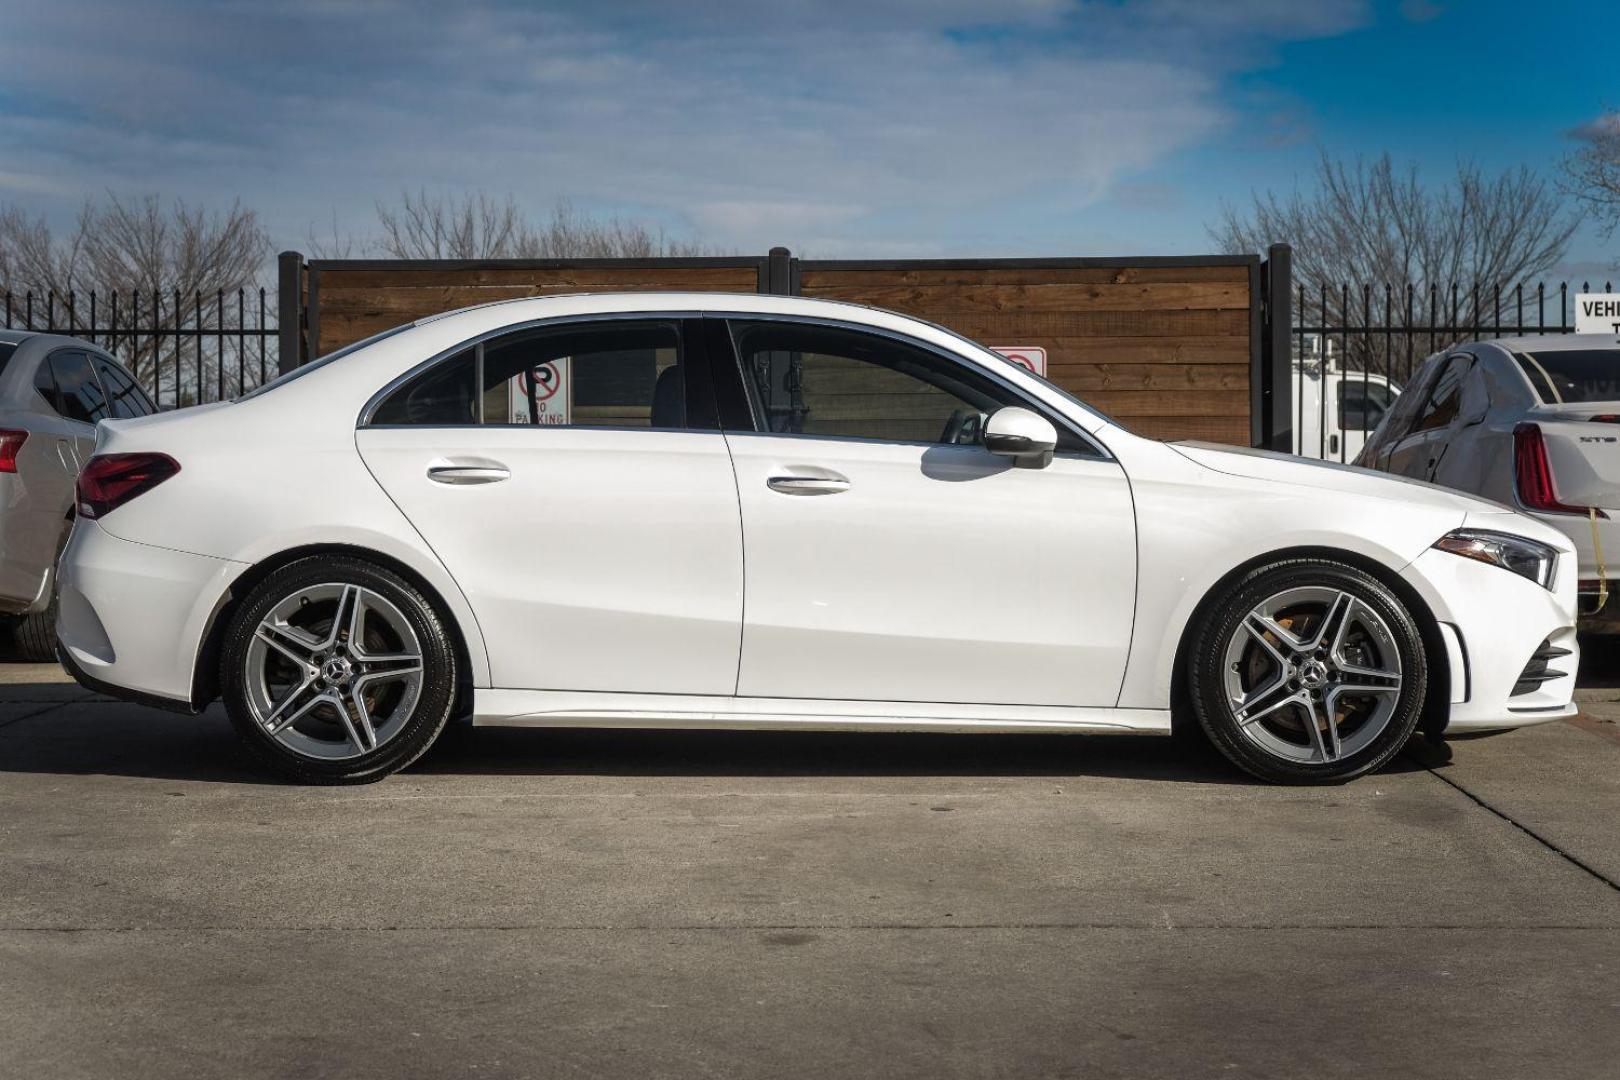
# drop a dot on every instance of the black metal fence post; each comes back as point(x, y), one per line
point(1277, 361)
point(779, 272)
point(290, 304)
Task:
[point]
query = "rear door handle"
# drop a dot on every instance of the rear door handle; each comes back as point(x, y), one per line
point(468, 474)
point(808, 485)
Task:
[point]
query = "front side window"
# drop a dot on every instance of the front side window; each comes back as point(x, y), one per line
point(69, 383)
point(807, 379)
point(1362, 404)
point(609, 374)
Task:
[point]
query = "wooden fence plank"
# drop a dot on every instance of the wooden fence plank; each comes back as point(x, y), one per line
point(941, 299)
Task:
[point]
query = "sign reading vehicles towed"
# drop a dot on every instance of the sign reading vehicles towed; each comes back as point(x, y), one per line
point(1597, 313)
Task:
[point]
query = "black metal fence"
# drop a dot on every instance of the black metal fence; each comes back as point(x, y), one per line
point(1355, 348)
point(184, 349)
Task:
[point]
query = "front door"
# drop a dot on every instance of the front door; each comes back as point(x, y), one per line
point(890, 557)
point(585, 507)
point(1417, 452)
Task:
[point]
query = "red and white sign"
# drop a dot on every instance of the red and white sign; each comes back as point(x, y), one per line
point(547, 386)
point(1032, 357)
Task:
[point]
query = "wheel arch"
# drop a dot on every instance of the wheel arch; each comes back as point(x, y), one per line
point(1437, 698)
point(205, 672)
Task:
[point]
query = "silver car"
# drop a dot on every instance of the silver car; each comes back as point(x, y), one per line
point(53, 389)
point(1534, 423)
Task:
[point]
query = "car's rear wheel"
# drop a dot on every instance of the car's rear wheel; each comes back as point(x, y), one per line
point(336, 670)
point(1308, 671)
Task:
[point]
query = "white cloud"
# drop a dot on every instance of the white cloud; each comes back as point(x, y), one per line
point(832, 124)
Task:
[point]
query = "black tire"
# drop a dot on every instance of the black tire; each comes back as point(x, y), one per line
point(435, 696)
point(35, 635)
point(1209, 662)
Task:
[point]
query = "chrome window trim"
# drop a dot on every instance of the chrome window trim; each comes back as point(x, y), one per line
point(477, 341)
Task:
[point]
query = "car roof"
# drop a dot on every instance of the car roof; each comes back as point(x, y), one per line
point(609, 301)
point(1555, 342)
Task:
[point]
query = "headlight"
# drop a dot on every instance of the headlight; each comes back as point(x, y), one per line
point(1524, 557)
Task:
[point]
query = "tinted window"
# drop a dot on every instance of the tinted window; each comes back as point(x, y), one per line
point(1441, 408)
point(70, 385)
point(1573, 375)
point(443, 394)
point(125, 398)
point(611, 374)
point(1362, 404)
point(6, 349)
point(821, 380)
point(608, 374)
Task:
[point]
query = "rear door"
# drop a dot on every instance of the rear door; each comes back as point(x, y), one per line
point(574, 482)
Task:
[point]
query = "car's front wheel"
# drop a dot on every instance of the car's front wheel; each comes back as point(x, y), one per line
point(1308, 671)
point(336, 671)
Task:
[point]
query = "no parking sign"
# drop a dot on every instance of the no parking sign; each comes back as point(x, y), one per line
point(1030, 357)
point(542, 395)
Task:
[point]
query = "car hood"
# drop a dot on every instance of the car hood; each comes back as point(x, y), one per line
point(1319, 476)
point(1330, 476)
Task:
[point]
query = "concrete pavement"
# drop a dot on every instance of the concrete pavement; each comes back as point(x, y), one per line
point(530, 903)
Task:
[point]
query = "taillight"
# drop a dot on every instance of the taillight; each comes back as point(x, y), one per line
point(1605, 418)
point(10, 443)
point(108, 481)
point(1533, 476)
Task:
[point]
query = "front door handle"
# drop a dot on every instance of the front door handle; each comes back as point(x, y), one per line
point(468, 474)
point(808, 485)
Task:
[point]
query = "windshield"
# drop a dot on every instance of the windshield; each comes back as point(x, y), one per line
point(288, 376)
point(1565, 376)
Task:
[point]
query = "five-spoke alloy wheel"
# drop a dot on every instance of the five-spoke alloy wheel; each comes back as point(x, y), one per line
point(1308, 671)
point(337, 670)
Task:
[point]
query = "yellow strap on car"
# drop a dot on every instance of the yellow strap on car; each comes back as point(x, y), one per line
point(1602, 571)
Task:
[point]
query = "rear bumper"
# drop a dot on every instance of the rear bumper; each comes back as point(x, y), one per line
point(131, 617)
point(1495, 622)
point(1580, 533)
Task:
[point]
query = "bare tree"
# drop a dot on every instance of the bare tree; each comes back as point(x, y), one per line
point(1375, 224)
point(479, 226)
point(1592, 173)
point(133, 244)
point(161, 261)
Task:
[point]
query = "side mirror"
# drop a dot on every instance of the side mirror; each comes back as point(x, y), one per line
point(1027, 437)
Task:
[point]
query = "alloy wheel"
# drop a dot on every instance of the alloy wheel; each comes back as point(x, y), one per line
point(1312, 675)
point(333, 671)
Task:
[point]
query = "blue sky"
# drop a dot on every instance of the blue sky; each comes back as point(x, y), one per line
point(839, 128)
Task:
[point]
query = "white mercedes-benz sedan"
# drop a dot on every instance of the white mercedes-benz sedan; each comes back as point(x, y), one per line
point(707, 511)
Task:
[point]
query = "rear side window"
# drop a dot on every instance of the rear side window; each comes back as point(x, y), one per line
point(69, 383)
point(6, 350)
point(611, 374)
point(1441, 408)
point(124, 397)
point(1572, 375)
point(443, 395)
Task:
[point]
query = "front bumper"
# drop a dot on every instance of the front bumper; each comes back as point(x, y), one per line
point(131, 617)
point(1495, 622)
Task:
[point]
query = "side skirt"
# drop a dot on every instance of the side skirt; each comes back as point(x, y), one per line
point(568, 708)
